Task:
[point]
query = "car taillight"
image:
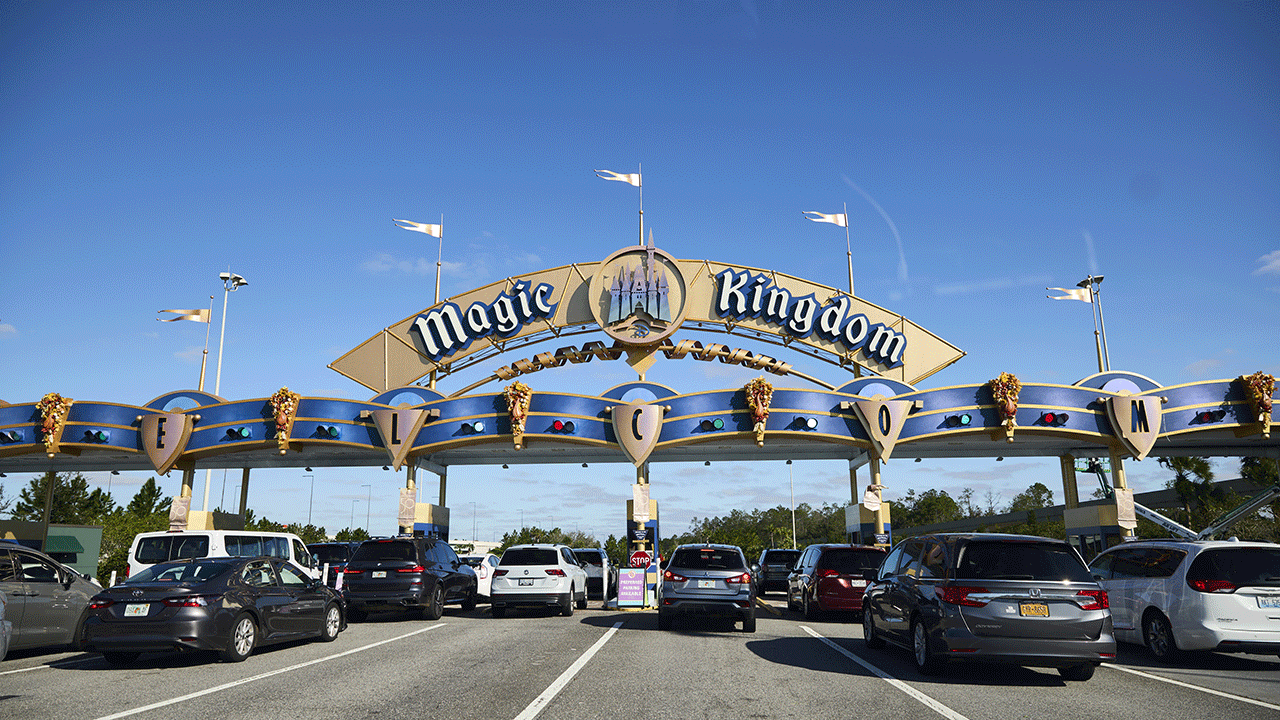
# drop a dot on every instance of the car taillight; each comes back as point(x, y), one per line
point(349, 571)
point(499, 572)
point(414, 569)
point(743, 579)
point(959, 595)
point(668, 575)
point(827, 573)
point(1212, 586)
point(192, 601)
point(99, 603)
point(126, 569)
point(556, 571)
point(1099, 600)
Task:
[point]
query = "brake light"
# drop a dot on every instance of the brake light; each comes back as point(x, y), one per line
point(499, 572)
point(414, 569)
point(959, 595)
point(556, 571)
point(1212, 586)
point(668, 575)
point(126, 569)
point(349, 571)
point(827, 573)
point(1098, 601)
point(743, 579)
point(99, 603)
point(192, 601)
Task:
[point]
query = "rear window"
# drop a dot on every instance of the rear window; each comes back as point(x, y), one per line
point(850, 561)
point(180, 572)
point(1242, 567)
point(1020, 561)
point(164, 548)
point(781, 557)
point(331, 553)
point(590, 557)
point(384, 551)
point(707, 559)
point(529, 556)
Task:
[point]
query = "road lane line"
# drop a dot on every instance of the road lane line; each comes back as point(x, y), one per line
point(928, 702)
point(243, 681)
point(1179, 683)
point(554, 688)
point(49, 666)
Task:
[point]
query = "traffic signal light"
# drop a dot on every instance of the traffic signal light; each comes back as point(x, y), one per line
point(961, 420)
point(1054, 419)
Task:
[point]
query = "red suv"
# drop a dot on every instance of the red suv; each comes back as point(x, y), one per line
point(831, 577)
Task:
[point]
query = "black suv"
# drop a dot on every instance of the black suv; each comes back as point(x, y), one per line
point(772, 569)
point(1017, 599)
point(333, 555)
point(414, 573)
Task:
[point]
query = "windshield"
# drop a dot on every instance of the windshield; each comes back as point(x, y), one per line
point(590, 557)
point(707, 559)
point(529, 556)
point(1018, 560)
point(1242, 567)
point(190, 572)
point(849, 561)
point(781, 557)
point(331, 553)
point(385, 550)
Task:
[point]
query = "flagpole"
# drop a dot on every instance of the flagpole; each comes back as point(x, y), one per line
point(431, 384)
point(640, 172)
point(848, 246)
point(1097, 294)
point(205, 359)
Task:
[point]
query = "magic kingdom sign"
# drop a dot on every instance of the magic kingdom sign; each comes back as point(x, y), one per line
point(640, 296)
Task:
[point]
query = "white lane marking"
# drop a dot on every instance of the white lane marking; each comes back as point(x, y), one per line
point(554, 688)
point(928, 702)
point(49, 666)
point(1179, 683)
point(243, 681)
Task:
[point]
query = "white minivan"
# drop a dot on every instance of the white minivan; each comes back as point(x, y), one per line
point(150, 548)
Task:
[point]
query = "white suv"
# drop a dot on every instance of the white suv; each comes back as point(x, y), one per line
point(539, 575)
point(1173, 595)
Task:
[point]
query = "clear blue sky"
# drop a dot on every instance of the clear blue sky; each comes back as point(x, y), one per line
point(986, 151)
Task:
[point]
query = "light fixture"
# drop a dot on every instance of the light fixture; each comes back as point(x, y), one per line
point(3, 475)
point(1053, 418)
point(959, 420)
point(707, 463)
point(308, 469)
point(474, 427)
point(709, 425)
point(564, 426)
point(384, 467)
point(918, 459)
point(584, 464)
point(1000, 458)
point(115, 472)
point(504, 466)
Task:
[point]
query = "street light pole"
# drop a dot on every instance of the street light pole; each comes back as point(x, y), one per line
point(791, 478)
point(368, 497)
point(312, 501)
point(1094, 283)
point(473, 521)
point(230, 283)
point(353, 512)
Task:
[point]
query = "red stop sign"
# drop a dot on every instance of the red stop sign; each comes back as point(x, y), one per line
point(641, 559)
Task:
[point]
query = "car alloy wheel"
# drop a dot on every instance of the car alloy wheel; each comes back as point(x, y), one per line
point(869, 636)
point(567, 608)
point(1159, 636)
point(332, 623)
point(244, 636)
point(926, 662)
point(435, 608)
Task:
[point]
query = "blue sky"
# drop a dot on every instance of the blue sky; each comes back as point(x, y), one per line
point(986, 151)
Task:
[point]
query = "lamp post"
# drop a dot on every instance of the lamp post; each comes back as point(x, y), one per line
point(791, 478)
point(312, 501)
point(230, 283)
point(368, 496)
point(353, 512)
point(473, 521)
point(1094, 283)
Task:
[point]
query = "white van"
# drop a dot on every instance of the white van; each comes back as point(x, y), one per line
point(156, 547)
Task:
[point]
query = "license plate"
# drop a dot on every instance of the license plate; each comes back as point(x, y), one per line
point(378, 574)
point(137, 609)
point(706, 583)
point(857, 583)
point(522, 582)
point(1033, 609)
point(1269, 601)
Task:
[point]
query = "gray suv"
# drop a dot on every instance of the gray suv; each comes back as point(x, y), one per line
point(708, 580)
point(1017, 599)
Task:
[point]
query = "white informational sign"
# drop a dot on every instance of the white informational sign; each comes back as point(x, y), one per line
point(640, 503)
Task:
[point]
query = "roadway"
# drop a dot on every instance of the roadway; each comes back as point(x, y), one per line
point(604, 663)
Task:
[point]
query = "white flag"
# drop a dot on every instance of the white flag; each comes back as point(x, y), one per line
point(1081, 294)
point(631, 179)
point(835, 219)
point(200, 315)
point(432, 230)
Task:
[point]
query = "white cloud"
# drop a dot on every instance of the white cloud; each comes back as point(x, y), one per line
point(1004, 283)
point(7, 330)
point(384, 262)
point(1207, 366)
point(1270, 264)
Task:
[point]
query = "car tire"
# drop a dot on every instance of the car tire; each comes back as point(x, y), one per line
point(120, 658)
point(1158, 636)
point(749, 623)
point(582, 601)
point(498, 611)
point(332, 623)
point(1077, 672)
point(869, 636)
point(470, 603)
point(243, 639)
point(927, 661)
point(664, 621)
point(791, 602)
point(810, 609)
point(566, 609)
point(435, 608)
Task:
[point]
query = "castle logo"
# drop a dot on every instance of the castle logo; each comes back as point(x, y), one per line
point(638, 295)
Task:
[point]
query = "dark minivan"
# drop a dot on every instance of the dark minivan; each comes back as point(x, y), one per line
point(772, 568)
point(413, 573)
point(1017, 599)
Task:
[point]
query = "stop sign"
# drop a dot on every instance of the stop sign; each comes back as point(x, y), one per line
point(641, 559)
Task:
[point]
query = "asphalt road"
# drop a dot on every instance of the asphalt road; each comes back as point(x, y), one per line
point(608, 664)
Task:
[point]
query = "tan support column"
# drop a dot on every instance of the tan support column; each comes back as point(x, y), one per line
point(244, 492)
point(854, 498)
point(1070, 492)
point(188, 481)
point(411, 478)
point(1118, 479)
point(444, 477)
